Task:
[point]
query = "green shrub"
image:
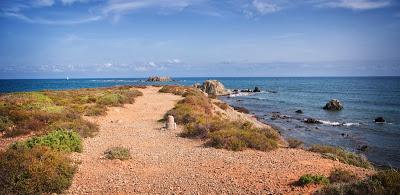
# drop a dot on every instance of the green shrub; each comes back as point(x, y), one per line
point(313, 179)
point(294, 143)
point(195, 112)
point(5, 123)
point(39, 170)
point(111, 100)
point(342, 176)
point(60, 140)
point(82, 127)
point(95, 110)
point(384, 182)
point(342, 155)
point(117, 153)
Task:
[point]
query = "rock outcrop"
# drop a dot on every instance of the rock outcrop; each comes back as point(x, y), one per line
point(256, 89)
point(312, 121)
point(333, 105)
point(159, 79)
point(380, 120)
point(214, 87)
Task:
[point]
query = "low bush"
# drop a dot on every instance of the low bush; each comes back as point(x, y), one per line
point(82, 127)
point(60, 140)
point(222, 105)
point(313, 179)
point(120, 153)
point(39, 170)
point(195, 112)
point(174, 89)
point(342, 155)
point(95, 110)
point(241, 109)
point(34, 112)
point(384, 182)
point(111, 100)
point(342, 176)
point(294, 143)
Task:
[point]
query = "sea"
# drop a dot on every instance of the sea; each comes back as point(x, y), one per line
point(353, 128)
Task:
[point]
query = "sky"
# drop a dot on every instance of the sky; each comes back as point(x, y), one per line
point(198, 38)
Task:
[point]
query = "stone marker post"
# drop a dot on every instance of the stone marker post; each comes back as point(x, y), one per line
point(171, 125)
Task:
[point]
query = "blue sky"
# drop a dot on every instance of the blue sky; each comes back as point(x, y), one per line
point(138, 38)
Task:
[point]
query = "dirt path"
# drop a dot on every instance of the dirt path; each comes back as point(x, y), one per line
point(164, 163)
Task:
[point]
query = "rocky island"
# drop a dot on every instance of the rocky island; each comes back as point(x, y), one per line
point(159, 79)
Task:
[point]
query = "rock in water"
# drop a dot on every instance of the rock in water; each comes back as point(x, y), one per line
point(159, 79)
point(380, 120)
point(333, 105)
point(312, 121)
point(299, 111)
point(256, 89)
point(214, 87)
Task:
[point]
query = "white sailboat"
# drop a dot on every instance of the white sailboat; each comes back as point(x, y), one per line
point(67, 78)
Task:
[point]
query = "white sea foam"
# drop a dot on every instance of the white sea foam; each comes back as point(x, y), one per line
point(351, 124)
point(240, 94)
point(333, 123)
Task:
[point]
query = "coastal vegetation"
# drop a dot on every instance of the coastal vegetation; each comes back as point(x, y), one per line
point(294, 143)
point(195, 113)
point(336, 153)
point(120, 153)
point(343, 182)
point(313, 179)
point(54, 122)
point(43, 111)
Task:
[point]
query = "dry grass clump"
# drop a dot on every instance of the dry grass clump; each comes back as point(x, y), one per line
point(120, 153)
point(383, 182)
point(295, 143)
point(222, 105)
point(342, 176)
point(241, 109)
point(174, 89)
point(23, 113)
point(37, 170)
point(313, 179)
point(195, 112)
point(342, 155)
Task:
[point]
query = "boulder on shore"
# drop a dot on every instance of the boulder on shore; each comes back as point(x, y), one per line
point(214, 87)
point(333, 105)
point(256, 89)
point(159, 79)
point(380, 120)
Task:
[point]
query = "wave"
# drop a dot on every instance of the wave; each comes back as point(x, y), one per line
point(335, 123)
point(241, 94)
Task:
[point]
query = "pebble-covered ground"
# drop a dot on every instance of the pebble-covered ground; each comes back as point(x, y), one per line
point(164, 163)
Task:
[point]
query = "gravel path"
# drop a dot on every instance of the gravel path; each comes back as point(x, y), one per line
point(163, 163)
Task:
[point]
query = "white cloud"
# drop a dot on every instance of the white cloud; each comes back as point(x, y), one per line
point(355, 4)
point(266, 6)
point(152, 64)
point(70, 2)
point(124, 6)
point(43, 3)
point(49, 21)
point(174, 61)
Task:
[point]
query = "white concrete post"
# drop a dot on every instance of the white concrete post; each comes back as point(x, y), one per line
point(171, 125)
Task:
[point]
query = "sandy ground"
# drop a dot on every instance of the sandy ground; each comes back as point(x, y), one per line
point(163, 163)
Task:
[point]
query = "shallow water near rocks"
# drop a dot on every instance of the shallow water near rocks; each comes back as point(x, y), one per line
point(364, 99)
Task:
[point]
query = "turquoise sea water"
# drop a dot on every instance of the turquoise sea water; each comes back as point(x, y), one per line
point(364, 99)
